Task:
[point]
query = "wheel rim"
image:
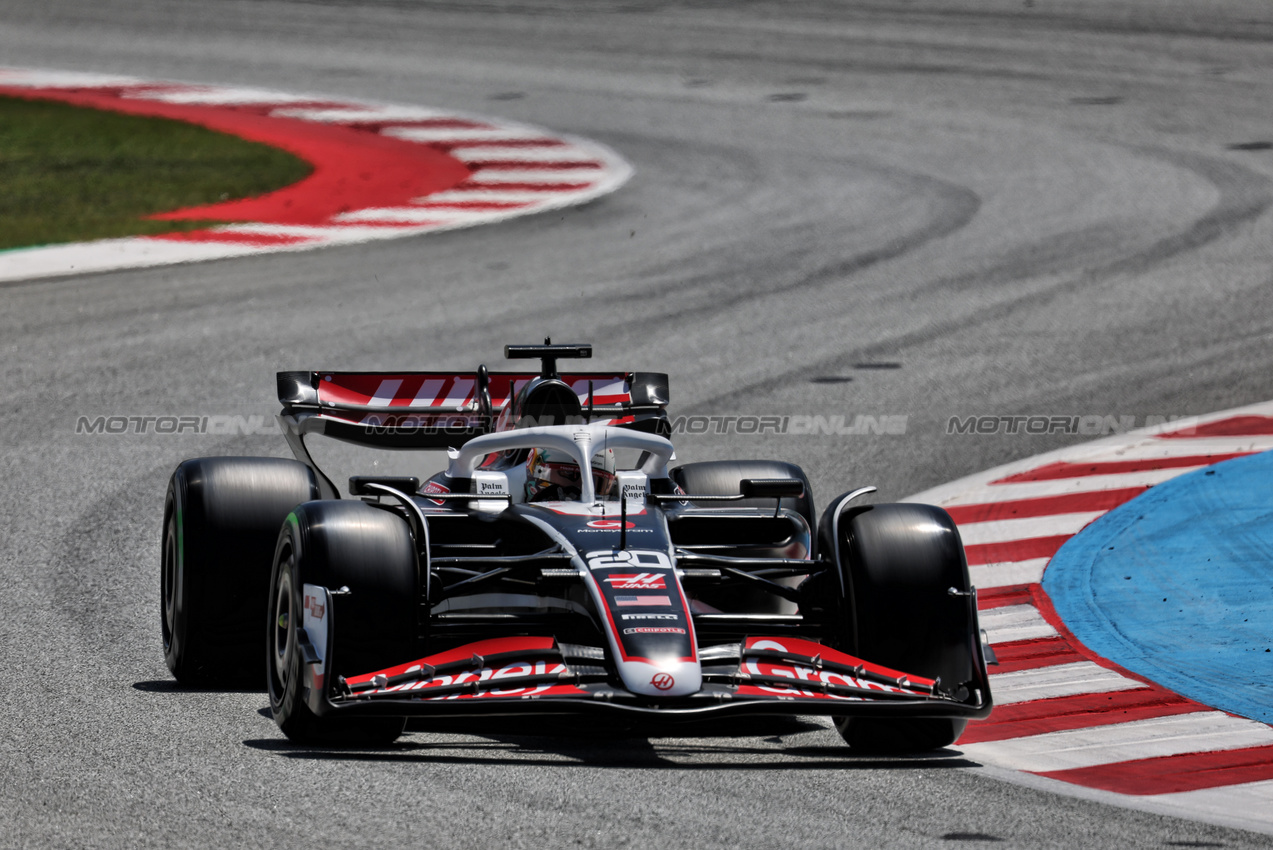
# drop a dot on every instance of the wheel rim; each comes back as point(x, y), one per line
point(282, 627)
point(168, 580)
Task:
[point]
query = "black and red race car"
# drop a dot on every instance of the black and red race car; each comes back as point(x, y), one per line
point(646, 589)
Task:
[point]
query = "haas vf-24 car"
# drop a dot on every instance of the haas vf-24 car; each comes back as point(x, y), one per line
point(560, 564)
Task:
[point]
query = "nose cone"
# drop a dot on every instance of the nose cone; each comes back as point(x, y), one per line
point(647, 621)
point(671, 678)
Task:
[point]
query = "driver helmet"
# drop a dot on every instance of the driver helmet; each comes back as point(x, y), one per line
point(553, 476)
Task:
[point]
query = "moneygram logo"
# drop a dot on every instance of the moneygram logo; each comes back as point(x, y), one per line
point(614, 524)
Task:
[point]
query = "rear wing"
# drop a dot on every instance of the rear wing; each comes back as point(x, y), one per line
point(438, 410)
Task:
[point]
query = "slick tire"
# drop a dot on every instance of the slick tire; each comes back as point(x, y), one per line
point(899, 563)
point(221, 520)
point(370, 551)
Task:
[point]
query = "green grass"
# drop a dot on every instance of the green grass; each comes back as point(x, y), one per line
point(69, 174)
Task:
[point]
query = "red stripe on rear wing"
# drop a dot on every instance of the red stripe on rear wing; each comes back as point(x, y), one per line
point(450, 392)
point(440, 409)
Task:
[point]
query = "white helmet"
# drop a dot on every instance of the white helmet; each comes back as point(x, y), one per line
point(553, 476)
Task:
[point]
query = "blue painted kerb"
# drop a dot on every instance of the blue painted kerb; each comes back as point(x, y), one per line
point(1177, 585)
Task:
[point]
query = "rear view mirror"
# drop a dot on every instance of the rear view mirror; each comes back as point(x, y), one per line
point(771, 488)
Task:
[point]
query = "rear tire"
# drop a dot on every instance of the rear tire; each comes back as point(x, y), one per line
point(338, 544)
point(221, 519)
point(899, 563)
point(724, 478)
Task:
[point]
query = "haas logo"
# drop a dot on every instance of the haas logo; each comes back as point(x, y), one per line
point(611, 524)
point(637, 581)
point(662, 681)
point(316, 609)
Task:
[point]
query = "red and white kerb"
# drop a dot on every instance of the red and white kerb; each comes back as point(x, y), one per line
point(380, 171)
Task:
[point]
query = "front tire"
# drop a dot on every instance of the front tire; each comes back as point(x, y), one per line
point(370, 551)
point(221, 519)
point(899, 563)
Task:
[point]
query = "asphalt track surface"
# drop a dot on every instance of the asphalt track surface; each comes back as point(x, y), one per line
point(919, 209)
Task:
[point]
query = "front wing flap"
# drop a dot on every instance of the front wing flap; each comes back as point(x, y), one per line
point(538, 675)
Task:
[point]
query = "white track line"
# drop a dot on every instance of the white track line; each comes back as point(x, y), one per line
point(1015, 622)
point(429, 135)
point(1007, 573)
point(482, 153)
point(1160, 448)
point(1073, 454)
point(325, 234)
point(1059, 680)
point(1251, 799)
point(1203, 731)
point(1006, 530)
point(107, 254)
point(993, 493)
point(359, 114)
point(59, 79)
point(416, 215)
point(218, 96)
point(499, 196)
point(547, 175)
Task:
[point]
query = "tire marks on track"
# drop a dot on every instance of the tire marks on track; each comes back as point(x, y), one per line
point(1245, 195)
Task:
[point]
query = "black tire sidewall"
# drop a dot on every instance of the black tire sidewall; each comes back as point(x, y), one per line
point(218, 515)
point(172, 585)
point(290, 711)
point(372, 627)
point(898, 581)
point(898, 564)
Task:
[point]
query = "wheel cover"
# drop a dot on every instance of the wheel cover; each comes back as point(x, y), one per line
point(283, 628)
point(168, 580)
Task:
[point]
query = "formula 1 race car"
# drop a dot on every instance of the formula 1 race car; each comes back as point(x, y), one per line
point(538, 574)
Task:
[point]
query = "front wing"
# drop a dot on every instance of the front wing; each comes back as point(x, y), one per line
point(538, 675)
